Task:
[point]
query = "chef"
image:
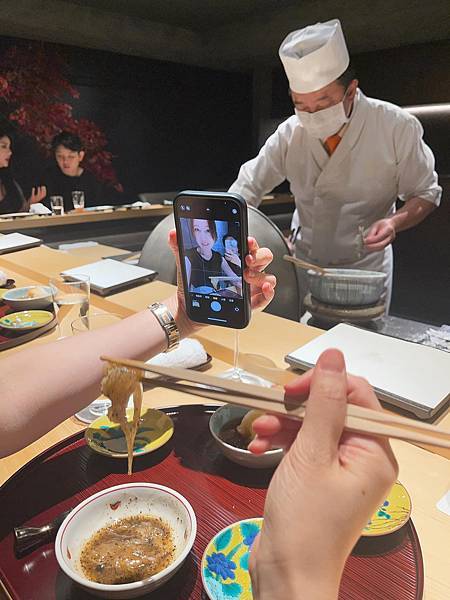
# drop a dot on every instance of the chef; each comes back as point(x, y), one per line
point(347, 158)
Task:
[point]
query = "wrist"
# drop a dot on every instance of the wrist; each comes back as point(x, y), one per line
point(185, 326)
point(313, 577)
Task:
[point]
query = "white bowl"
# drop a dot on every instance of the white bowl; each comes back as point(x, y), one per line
point(347, 287)
point(116, 503)
point(245, 458)
point(18, 297)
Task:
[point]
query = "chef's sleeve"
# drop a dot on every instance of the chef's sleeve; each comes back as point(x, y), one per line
point(260, 175)
point(415, 164)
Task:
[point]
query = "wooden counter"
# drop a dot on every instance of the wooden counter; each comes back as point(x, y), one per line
point(426, 474)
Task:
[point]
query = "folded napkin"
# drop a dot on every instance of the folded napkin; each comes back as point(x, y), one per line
point(39, 209)
point(3, 278)
point(436, 338)
point(190, 353)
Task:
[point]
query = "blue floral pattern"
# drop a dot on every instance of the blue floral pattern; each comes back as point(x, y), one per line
point(219, 564)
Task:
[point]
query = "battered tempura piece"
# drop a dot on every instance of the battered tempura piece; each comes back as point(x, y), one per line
point(118, 383)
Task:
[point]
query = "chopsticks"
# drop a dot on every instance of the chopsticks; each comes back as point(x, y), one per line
point(303, 264)
point(359, 419)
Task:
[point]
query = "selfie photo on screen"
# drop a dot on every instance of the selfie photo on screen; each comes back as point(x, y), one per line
point(212, 260)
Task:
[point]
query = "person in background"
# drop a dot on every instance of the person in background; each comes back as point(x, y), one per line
point(230, 244)
point(325, 489)
point(347, 159)
point(68, 175)
point(12, 198)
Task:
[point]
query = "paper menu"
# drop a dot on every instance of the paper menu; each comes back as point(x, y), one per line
point(109, 275)
point(409, 375)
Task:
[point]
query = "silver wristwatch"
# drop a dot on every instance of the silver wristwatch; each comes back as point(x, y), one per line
point(167, 322)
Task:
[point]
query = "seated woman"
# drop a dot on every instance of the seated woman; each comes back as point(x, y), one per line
point(204, 266)
point(12, 198)
point(68, 175)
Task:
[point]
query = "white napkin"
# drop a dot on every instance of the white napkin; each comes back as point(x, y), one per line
point(3, 278)
point(190, 353)
point(39, 209)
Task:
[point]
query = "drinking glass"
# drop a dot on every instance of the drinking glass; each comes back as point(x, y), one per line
point(78, 199)
point(57, 204)
point(238, 374)
point(71, 292)
point(98, 407)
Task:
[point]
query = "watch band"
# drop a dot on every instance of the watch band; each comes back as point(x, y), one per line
point(167, 322)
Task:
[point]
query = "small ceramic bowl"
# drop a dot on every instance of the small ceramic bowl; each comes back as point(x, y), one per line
point(245, 458)
point(116, 503)
point(225, 561)
point(26, 320)
point(31, 297)
point(392, 514)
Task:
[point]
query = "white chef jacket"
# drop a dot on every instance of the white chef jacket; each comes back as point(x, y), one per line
point(380, 158)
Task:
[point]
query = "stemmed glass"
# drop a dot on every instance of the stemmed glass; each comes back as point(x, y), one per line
point(71, 292)
point(98, 407)
point(238, 374)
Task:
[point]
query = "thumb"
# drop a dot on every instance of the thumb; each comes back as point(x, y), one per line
point(326, 408)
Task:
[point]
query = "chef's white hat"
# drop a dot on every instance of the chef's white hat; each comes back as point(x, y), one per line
point(314, 56)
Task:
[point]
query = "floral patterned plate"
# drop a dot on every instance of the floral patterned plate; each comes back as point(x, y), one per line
point(224, 567)
point(155, 429)
point(392, 514)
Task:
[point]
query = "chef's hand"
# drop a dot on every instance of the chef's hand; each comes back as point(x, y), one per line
point(325, 489)
point(37, 194)
point(262, 285)
point(381, 234)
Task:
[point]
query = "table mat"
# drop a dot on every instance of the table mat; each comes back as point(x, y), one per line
point(387, 568)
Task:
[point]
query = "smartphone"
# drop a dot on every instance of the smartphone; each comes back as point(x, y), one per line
point(212, 236)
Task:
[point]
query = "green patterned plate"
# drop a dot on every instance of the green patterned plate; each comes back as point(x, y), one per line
point(224, 568)
point(106, 437)
point(26, 319)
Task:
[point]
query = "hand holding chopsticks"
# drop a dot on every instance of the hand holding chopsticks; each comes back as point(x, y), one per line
point(358, 418)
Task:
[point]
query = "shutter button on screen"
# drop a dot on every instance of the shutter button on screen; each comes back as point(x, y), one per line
point(216, 306)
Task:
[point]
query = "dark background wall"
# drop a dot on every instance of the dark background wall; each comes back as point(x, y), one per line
point(169, 126)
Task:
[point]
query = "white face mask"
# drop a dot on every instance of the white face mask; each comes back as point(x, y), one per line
point(325, 122)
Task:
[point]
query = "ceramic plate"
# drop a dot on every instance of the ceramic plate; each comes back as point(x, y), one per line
point(393, 514)
point(105, 437)
point(26, 319)
point(224, 568)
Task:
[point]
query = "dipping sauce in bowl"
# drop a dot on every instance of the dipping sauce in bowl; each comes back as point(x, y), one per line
point(128, 550)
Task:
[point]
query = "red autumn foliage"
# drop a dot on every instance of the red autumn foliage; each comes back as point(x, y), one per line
point(38, 98)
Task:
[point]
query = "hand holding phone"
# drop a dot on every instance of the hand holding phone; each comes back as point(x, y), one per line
point(212, 238)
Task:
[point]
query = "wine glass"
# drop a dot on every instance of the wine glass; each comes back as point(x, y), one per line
point(238, 374)
point(71, 292)
point(100, 406)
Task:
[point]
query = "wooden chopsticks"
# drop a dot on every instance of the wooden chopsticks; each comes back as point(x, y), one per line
point(303, 264)
point(359, 419)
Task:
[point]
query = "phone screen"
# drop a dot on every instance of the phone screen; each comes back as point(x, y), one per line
point(212, 238)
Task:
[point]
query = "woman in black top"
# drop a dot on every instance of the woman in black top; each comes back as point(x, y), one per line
point(11, 195)
point(203, 262)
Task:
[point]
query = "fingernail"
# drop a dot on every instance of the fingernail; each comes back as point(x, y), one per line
point(331, 360)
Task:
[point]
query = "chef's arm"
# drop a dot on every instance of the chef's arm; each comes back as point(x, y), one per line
point(412, 213)
point(260, 175)
point(383, 232)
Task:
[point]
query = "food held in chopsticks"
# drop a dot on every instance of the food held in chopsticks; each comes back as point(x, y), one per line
point(118, 384)
point(128, 550)
point(245, 428)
